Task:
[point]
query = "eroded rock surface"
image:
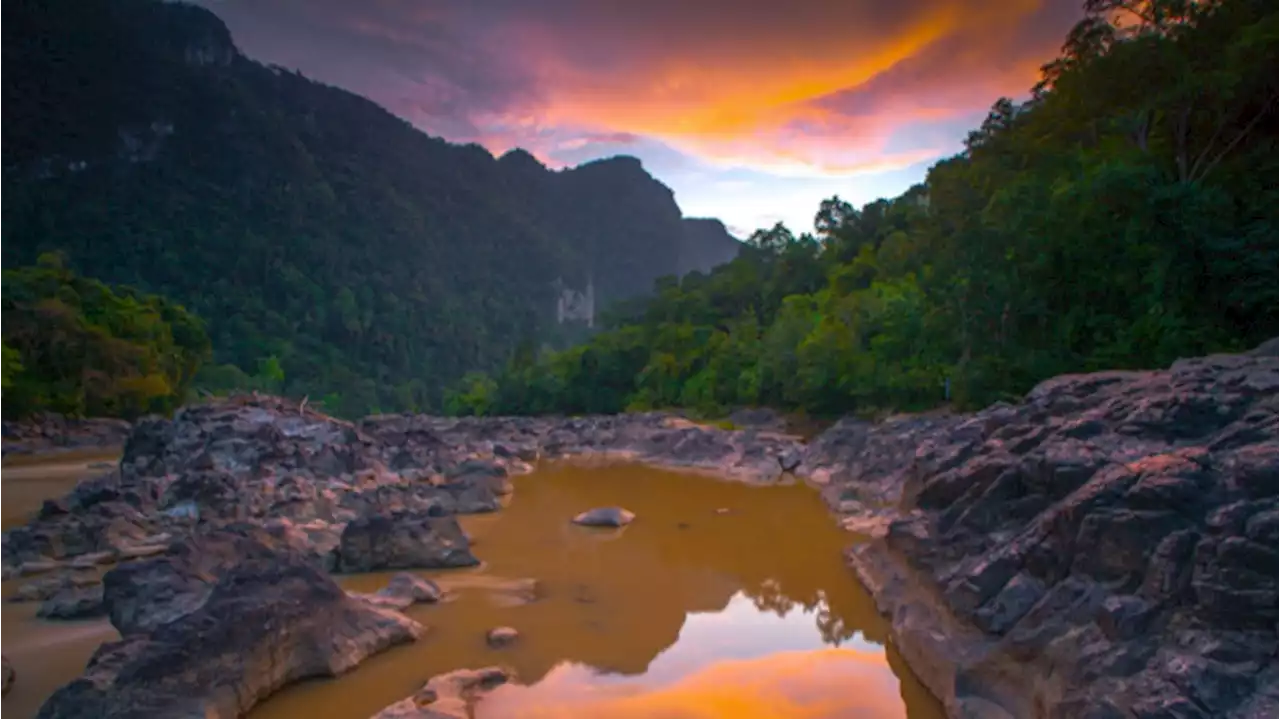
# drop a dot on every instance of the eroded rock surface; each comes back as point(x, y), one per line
point(1107, 548)
point(233, 618)
point(404, 540)
point(263, 460)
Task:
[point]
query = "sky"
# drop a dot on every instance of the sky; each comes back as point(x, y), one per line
point(751, 111)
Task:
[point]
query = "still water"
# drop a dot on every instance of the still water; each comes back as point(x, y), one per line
point(720, 600)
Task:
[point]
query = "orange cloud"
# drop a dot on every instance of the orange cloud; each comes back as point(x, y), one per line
point(758, 102)
point(821, 684)
point(816, 89)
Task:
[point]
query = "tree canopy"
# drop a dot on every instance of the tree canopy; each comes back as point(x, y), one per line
point(1123, 216)
point(76, 346)
point(333, 249)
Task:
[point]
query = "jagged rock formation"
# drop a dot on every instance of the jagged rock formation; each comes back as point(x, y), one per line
point(1107, 548)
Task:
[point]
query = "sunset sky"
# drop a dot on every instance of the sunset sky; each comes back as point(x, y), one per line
point(752, 111)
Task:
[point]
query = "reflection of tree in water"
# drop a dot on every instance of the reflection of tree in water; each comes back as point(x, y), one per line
point(768, 597)
point(771, 596)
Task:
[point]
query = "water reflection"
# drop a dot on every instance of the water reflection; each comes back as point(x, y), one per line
point(680, 612)
point(761, 656)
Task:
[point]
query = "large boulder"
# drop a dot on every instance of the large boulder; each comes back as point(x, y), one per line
point(1107, 548)
point(404, 540)
point(141, 596)
point(226, 635)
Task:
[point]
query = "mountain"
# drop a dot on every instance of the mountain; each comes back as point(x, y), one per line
point(308, 226)
point(707, 244)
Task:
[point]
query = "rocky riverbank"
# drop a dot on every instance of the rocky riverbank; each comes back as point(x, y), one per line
point(49, 434)
point(1107, 548)
point(1110, 543)
point(201, 505)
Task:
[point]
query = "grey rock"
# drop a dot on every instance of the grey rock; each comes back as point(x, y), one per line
point(500, 637)
point(1108, 544)
point(404, 540)
point(605, 517)
point(449, 696)
point(73, 602)
point(267, 620)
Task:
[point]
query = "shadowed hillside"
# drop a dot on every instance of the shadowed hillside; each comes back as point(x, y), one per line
point(316, 233)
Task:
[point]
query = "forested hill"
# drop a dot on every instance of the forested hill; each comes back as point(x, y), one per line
point(1124, 216)
point(313, 231)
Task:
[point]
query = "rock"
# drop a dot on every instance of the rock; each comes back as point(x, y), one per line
point(73, 603)
point(268, 619)
point(1105, 548)
point(605, 517)
point(38, 590)
point(790, 460)
point(144, 595)
point(500, 637)
point(448, 696)
point(48, 434)
point(7, 675)
point(403, 591)
point(411, 586)
point(404, 540)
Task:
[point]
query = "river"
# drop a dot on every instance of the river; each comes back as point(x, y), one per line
point(721, 599)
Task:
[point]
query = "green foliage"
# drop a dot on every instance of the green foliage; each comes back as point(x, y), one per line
point(76, 346)
point(374, 263)
point(1123, 217)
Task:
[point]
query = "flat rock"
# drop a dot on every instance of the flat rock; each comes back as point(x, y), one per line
point(403, 591)
point(605, 517)
point(449, 696)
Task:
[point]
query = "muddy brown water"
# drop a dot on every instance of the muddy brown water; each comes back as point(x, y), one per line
point(721, 600)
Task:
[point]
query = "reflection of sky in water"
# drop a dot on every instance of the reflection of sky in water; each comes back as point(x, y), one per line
point(740, 631)
point(741, 661)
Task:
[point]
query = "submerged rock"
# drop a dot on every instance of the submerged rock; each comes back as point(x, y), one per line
point(605, 517)
point(1116, 531)
point(403, 591)
point(226, 633)
point(500, 637)
point(448, 696)
point(405, 540)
